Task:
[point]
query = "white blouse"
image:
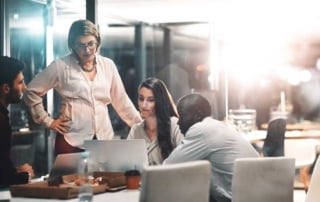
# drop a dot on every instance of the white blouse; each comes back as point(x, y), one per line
point(84, 104)
point(154, 153)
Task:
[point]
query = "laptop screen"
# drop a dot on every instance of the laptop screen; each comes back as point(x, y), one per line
point(116, 155)
point(65, 164)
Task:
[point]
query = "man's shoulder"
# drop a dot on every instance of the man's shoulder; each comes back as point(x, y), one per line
point(211, 129)
point(211, 123)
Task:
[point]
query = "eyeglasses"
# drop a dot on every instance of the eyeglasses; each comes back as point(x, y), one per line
point(91, 45)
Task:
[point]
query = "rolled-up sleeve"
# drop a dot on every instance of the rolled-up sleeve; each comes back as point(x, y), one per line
point(121, 101)
point(36, 89)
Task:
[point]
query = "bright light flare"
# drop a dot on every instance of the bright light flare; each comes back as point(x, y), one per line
point(257, 34)
point(305, 76)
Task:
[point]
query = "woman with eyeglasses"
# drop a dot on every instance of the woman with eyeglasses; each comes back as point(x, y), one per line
point(87, 82)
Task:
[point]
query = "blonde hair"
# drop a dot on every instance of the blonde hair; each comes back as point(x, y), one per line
point(82, 28)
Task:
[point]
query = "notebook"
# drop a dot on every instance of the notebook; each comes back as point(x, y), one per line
point(116, 155)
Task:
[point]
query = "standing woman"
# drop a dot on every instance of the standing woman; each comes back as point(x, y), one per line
point(159, 128)
point(87, 83)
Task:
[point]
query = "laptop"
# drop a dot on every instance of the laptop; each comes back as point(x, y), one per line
point(116, 155)
point(66, 164)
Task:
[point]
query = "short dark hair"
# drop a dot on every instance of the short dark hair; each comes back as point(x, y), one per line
point(82, 28)
point(195, 104)
point(9, 69)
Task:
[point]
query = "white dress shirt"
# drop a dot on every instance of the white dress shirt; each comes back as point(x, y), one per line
point(214, 141)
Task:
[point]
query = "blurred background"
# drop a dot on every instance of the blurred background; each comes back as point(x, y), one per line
point(261, 55)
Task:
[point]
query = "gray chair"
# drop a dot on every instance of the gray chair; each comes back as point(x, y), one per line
point(304, 153)
point(313, 194)
point(263, 179)
point(182, 182)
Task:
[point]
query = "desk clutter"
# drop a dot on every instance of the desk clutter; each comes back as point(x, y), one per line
point(243, 120)
point(68, 186)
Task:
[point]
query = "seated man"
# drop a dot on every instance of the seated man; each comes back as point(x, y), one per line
point(11, 90)
point(209, 139)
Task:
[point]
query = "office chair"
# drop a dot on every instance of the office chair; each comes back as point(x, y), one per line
point(313, 193)
point(304, 153)
point(274, 142)
point(263, 179)
point(181, 182)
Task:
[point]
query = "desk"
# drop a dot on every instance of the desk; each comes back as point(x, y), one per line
point(260, 135)
point(307, 125)
point(121, 196)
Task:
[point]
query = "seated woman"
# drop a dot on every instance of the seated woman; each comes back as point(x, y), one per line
point(159, 127)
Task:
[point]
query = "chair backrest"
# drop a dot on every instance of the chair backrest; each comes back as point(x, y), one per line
point(274, 142)
point(313, 194)
point(303, 150)
point(182, 182)
point(263, 179)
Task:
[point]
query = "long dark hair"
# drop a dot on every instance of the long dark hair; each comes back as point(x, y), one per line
point(164, 109)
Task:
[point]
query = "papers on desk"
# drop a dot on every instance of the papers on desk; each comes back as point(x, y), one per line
point(40, 179)
point(5, 195)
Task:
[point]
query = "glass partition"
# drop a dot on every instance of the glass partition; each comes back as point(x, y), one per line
point(172, 54)
point(27, 43)
point(28, 38)
point(185, 55)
